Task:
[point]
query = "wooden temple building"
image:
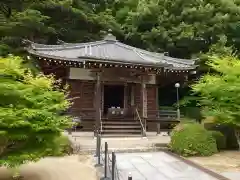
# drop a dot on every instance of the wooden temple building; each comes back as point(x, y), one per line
point(114, 86)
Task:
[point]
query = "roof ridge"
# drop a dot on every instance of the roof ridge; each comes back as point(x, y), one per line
point(155, 54)
point(179, 60)
point(141, 56)
point(138, 51)
point(65, 45)
point(141, 50)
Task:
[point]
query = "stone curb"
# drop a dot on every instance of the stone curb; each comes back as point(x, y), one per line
point(201, 168)
point(125, 150)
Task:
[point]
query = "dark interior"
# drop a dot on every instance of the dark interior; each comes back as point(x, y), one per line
point(113, 96)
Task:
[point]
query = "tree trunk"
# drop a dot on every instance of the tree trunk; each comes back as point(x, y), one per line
point(237, 134)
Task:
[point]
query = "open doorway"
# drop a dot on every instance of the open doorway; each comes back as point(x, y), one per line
point(113, 97)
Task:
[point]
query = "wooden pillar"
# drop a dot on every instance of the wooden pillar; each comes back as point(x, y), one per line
point(143, 103)
point(97, 103)
point(158, 128)
point(144, 99)
point(157, 112)
point(157, 98)
point(132, 95)
point(125, 96)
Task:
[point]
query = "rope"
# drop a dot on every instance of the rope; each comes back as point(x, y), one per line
point(118, 175)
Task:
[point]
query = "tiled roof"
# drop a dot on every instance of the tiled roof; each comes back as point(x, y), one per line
point(108, 50)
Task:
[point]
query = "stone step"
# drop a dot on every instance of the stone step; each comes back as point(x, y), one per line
point(121, 127)
point(121, 135)
point(121, 131)
point(120, 122)
point(120, 119)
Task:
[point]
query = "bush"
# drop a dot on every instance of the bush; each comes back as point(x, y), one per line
point(192, 139)
point(65, 145)
point(61, 146)
point(220, 139)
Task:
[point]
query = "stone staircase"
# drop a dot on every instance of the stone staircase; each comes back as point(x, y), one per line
point(119, 126)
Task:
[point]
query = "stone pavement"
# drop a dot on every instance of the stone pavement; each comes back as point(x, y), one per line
point(232, 175)
point(157, 166)
point(86, 141)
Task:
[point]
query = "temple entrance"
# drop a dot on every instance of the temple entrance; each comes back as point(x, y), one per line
point(113, 97)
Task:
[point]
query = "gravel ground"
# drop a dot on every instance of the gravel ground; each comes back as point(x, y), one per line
point(225, 163)
point(221, 162)
point(57, 168)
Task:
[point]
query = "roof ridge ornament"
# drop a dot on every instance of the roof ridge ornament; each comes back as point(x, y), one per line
point(110, 36)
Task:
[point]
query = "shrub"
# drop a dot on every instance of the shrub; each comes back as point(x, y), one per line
point(65, 145)
point(220, 139)
point(61, 146)
point(192, 139)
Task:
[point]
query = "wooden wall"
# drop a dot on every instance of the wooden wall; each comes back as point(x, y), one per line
point(83, 94)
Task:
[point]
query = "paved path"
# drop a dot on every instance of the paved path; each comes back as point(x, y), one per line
point(157, 166)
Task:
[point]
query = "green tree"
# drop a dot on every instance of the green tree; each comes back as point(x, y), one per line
point(30, 113)
point(49, 21)
point(180, 27)
point(219, 93)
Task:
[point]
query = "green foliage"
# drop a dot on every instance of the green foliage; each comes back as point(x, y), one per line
point(219, 93)
point(188, 121)
point(220, 139)
point(191, 139)
point(183, 28)
point(30, 112)
point(4, 50)
point(61, 146)
point(177, 26)
point(219, 48)
point(48, 21)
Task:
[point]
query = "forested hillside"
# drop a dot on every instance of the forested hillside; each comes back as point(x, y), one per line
point(184, 28)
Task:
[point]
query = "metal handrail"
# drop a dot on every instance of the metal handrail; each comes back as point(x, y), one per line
point(140, 120)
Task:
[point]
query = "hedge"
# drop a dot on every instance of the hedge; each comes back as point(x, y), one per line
point(192, 139)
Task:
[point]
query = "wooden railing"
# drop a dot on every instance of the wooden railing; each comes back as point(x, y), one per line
point(162, 115)
point(140, 120)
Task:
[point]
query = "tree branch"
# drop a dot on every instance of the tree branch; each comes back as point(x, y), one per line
point(6, 10)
